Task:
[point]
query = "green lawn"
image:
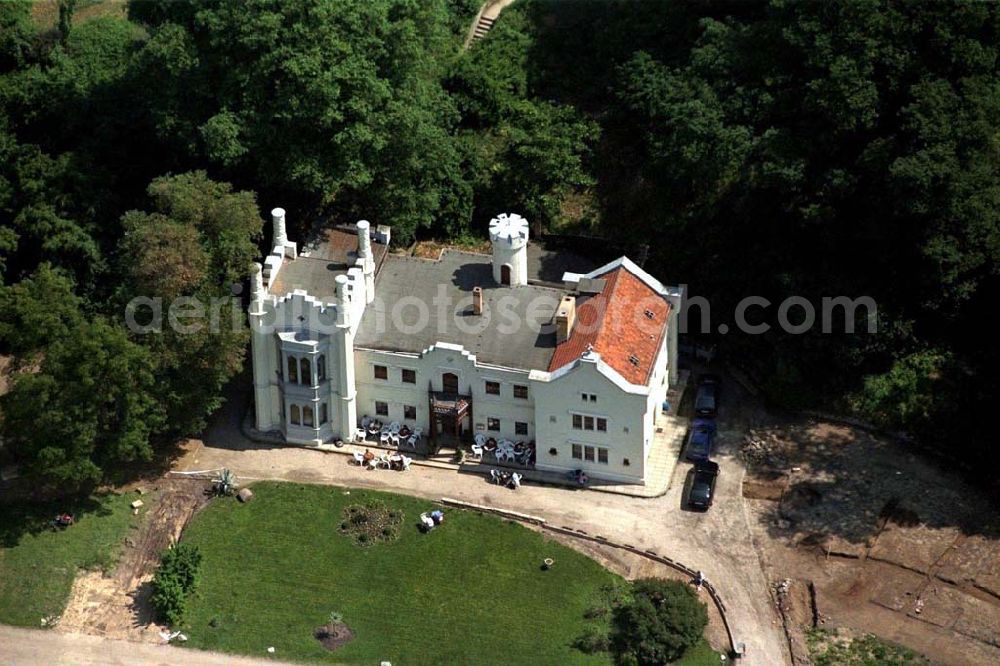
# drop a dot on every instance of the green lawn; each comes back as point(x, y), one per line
point(37, 564)
point(471, 591)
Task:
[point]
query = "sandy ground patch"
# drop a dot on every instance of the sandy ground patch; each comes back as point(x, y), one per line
point(117, 605)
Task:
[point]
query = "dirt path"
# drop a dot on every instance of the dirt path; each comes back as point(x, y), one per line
point(37, 646)
point(117, 605)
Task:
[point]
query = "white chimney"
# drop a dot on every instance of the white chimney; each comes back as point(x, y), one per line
point(565, 317)
point(256, 281)
point(343, 299)
point(364, 239)
point(477, 300)
point(366, 259)
point(280, 235)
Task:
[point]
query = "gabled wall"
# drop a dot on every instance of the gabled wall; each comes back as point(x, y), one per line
point(558, 396)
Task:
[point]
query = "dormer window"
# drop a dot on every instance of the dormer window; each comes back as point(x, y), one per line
point(633, 359)
point(649, 314)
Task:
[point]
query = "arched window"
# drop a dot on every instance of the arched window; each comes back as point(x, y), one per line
point(293, 370)
point(505, 274)
point(306, 372)
point(295, 415)
point(307, 416)
point(321, 367)
point(449, 382)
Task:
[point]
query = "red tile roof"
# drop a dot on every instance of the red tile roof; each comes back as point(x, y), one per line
point(616, 325)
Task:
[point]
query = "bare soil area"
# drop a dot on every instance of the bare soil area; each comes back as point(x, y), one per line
point(857, 532)
point(117, 604)
point(332, 635)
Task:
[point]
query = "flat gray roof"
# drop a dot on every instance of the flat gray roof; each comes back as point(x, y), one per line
point(405, 293)
point(319, 262)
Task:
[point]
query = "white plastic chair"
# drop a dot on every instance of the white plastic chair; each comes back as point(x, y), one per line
point(477, 451)
point(394, 427)
point(359, 458)
point(384, 437)
point(406, 460)
point(418, 432)
point(365, 421)
point(480, 439)
point(494, 476)
point(412, 441)
point(360, 434)
point(515, 480)
point(394, 439)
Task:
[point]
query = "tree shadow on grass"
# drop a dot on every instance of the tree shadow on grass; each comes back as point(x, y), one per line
point(846, 483)
point(22, 518)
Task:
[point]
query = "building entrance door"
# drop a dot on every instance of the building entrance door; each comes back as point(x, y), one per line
point(449, 382)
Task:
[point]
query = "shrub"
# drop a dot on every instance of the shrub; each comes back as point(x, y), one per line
point(592, 641)
point(174, 581)
point(662, 620)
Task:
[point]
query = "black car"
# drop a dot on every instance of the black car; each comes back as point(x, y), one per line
point(706, 400)
point(703, 486)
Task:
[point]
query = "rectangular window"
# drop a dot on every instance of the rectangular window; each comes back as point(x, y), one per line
point(294, 415)
point(602, 425)
point(381, 408)
point(381, 372)
point(577, 422)
point(602, 456)
point(520, 428)
point(588, 422)
point(307, 416)
point(520, 391)
point(409, 376)
point(588, 453)
point(409, 412)
point(493, 424)
point(293, 370)
point(493, 388)
point(577, 452)
point(324, 416)
point(583, 396)
point(593, 398)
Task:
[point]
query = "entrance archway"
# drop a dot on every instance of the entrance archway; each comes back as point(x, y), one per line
point(449, 382)
point(505, 274)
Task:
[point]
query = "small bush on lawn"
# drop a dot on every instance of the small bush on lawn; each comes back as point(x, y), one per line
point(662, 620)
point(592, 641)
point(174, 581)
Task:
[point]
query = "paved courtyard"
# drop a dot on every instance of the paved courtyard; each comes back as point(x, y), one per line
point(717, 542)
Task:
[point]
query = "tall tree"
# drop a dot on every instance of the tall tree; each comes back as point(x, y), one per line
point(196, 245)
point(87, 409)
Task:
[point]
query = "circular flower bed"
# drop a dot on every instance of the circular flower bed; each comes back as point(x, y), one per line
point(369, 524)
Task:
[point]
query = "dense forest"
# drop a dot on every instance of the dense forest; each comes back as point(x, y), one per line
point(752, 148)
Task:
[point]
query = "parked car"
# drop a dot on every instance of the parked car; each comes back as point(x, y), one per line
point(700, 439)
point(703, 486)
point(706, 400)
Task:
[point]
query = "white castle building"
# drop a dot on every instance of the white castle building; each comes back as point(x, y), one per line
point(524, 344)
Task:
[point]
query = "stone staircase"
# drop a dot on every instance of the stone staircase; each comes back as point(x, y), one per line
point(483, 26)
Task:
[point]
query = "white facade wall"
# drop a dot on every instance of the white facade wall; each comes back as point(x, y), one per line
point(559, 395)
point(429, 367)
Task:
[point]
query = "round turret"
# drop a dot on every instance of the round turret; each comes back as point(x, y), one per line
point(509, 236)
